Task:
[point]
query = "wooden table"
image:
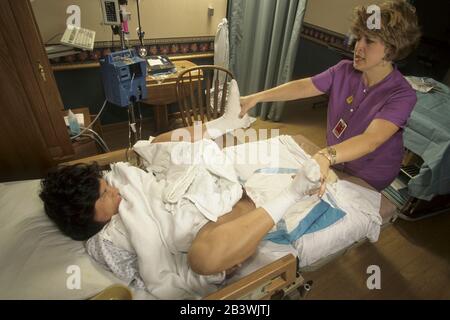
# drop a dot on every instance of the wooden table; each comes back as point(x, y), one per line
point(161, 92)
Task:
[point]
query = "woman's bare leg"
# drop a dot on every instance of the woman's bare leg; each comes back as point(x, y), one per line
point(231, 240)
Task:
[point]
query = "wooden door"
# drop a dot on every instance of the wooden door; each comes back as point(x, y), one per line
point(33, 135)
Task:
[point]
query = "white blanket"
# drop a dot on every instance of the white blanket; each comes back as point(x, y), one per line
point(162, 215)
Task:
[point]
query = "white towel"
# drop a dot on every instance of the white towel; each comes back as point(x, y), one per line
point(179, 178)
point(198, 171)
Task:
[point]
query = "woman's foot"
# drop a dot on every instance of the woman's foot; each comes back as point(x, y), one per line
point(230, 119)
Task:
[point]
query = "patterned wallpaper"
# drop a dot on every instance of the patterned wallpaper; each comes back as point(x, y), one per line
point(327, 38)
point(185, 46)
point(172, 47)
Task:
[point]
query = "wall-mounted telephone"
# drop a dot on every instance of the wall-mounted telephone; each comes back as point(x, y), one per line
point(78, 37)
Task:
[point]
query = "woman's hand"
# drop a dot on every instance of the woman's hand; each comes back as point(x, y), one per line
point(247, 103)
point(324, 165)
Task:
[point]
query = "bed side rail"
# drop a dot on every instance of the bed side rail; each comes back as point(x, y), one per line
point(261, 284)
point(104, 158)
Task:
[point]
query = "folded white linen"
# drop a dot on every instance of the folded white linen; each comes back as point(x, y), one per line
point(189, 170)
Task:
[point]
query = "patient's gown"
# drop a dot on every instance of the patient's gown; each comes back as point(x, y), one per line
point(119, 256)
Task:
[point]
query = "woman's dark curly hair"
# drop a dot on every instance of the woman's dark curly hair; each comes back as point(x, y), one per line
point(69, 194)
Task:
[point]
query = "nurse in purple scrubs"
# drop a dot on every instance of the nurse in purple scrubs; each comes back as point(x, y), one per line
point(369, 100)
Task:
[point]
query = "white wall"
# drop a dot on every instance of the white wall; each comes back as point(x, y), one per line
point(333, 15)
point(159, 18)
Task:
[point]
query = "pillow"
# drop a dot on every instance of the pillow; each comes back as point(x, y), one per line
point(36, 259)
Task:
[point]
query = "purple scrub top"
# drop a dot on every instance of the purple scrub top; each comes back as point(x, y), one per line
point(350, 99)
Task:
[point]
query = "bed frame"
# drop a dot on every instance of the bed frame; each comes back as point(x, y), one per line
point(280, 279)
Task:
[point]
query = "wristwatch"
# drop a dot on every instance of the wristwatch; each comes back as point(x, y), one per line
point(330, 154)
point(326, 155)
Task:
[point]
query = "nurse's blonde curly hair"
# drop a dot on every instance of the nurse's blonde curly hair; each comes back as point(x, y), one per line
point(400, 31)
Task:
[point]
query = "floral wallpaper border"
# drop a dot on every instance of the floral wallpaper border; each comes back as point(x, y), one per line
point(172, 47)
point(325, 37)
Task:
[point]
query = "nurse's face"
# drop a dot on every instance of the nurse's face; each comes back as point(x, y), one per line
point(369, 53)
point(107, 204)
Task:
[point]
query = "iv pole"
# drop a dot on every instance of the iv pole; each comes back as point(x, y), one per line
point(133, 135)
point(141, 34)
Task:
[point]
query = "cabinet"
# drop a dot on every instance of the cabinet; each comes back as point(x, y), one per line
point(85, 146)
point(411, 208)
point(33, 134)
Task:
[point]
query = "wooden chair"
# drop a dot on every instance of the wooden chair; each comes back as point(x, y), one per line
point(196, 86)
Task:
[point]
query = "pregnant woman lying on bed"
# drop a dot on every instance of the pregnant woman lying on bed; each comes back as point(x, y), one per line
point(177, 230)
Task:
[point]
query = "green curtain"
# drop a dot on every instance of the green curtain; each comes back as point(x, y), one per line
point(264, 37)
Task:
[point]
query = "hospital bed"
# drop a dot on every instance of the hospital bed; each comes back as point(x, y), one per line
point(38, 262)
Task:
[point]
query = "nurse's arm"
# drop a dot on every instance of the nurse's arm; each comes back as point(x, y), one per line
point(377, 133)
point(293, 90)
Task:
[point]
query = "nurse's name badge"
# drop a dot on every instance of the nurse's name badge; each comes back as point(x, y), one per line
point(349, 100)
point(339, 128)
